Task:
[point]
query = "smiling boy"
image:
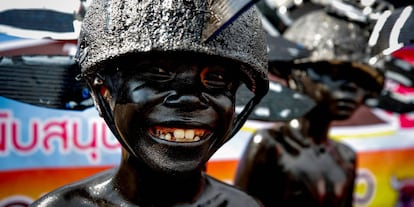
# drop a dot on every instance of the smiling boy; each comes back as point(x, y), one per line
point(168, 97)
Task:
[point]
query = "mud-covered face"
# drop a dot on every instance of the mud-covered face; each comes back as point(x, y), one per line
point(337, 91)
point(172, 112)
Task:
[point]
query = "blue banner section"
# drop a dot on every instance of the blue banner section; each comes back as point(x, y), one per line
point(6, 38)
point(37, 137)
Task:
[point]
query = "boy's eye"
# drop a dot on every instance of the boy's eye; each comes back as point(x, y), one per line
point(215, 78)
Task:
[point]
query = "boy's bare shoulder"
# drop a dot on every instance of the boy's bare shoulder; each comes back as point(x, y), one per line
point(86, 192)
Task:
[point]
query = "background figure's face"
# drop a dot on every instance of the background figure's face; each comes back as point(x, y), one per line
point(337, 91)
point(172, 112)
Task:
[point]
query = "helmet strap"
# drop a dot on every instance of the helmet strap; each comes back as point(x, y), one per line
point(104, 112)
point(244, 115)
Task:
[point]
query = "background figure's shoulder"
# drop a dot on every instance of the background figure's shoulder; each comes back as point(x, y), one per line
point(218, 193)
point(281, 136)
point(82, 193)
point(268, 135)
point(345, 151)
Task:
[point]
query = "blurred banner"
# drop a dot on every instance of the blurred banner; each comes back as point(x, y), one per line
point(46, 18)
point(385, 157)
point(42, 149)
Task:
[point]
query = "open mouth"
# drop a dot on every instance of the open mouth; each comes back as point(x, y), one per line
point(179, 134)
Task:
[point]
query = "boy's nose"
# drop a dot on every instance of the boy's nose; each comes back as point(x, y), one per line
point(187, 102)
point(187, 91)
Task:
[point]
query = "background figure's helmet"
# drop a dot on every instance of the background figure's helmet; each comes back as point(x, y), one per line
point(114, 28)
point(335, 40)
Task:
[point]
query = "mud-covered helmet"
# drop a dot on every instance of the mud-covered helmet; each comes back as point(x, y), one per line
point(333, 39)
point(114, 28)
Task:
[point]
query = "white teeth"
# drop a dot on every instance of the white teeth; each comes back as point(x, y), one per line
point(179, 135)
point(189, 134)
point(168, 136)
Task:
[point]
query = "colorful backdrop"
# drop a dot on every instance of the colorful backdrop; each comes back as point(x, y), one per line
point(42, 149)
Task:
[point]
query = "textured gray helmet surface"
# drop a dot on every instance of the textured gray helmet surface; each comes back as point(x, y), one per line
point(113, 28)
point(329, 37)
point(335, 40)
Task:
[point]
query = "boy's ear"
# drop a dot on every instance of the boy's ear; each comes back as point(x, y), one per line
point(97, 90)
